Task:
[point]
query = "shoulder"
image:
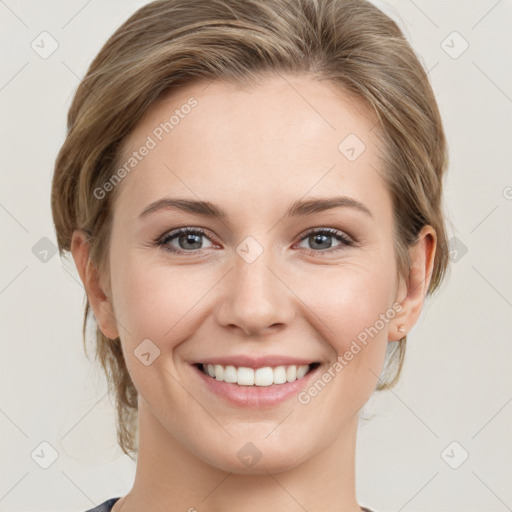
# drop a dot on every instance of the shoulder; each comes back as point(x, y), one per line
point(106, 506)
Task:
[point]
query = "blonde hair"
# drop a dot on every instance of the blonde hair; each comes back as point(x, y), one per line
point(170, 43)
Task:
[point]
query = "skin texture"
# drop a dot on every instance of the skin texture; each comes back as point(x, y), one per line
point(253, 152)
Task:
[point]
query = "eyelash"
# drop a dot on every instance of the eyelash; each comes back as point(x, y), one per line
point(346, 241)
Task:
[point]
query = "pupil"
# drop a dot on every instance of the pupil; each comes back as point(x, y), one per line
point(191, 238)
point(319, 238)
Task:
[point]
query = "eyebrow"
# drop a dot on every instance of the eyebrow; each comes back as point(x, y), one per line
point(297, 209)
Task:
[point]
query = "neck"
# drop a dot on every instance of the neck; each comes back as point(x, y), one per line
point(170, 476)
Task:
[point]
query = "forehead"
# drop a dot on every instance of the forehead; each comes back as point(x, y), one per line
point(286, 135)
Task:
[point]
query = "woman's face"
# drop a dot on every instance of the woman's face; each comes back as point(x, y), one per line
point(256, 289)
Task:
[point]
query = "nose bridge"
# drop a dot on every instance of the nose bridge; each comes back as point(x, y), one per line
point(255, 298)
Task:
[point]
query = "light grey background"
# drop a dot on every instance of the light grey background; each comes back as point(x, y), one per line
point(456, 384)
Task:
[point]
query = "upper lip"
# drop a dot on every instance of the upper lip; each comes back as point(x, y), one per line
point(256, 362)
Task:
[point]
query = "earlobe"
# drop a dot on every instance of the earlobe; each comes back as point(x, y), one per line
point(422, 262)
point(91, 279)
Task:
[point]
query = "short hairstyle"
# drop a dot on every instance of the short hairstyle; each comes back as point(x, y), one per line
point(167, 44)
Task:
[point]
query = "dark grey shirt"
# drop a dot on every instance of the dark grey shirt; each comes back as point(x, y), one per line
point(106, 506)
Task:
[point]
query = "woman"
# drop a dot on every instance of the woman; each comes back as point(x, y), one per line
point(298, 148)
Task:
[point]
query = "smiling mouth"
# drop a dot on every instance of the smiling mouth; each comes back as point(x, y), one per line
point(265, 376)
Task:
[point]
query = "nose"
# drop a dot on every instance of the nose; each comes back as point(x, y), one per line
point(255, 298)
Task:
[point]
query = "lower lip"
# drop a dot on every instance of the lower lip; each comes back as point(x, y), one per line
point(256, 396)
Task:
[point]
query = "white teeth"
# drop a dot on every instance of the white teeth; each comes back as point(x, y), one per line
point(245, 376)
point(218, 372)
point(301, 371)
point(230, 374)
point(265, 376)
point(291, 373)
point(280, 375)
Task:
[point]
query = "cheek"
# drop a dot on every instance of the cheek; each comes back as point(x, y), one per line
point(152, 303)
point(354, 308)
point(359, 337)
point(157, 301)
point(352, 300)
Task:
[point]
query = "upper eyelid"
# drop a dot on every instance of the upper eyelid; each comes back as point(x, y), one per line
point(178, 231)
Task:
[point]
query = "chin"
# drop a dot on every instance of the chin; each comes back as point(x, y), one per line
point(258, 457)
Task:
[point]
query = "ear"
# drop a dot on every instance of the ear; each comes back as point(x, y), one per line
point(94, 288)
point(412, 292)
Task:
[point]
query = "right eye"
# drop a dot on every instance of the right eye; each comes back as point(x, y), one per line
point(186, 238)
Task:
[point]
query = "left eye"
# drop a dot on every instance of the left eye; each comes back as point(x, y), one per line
point(320, 237)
